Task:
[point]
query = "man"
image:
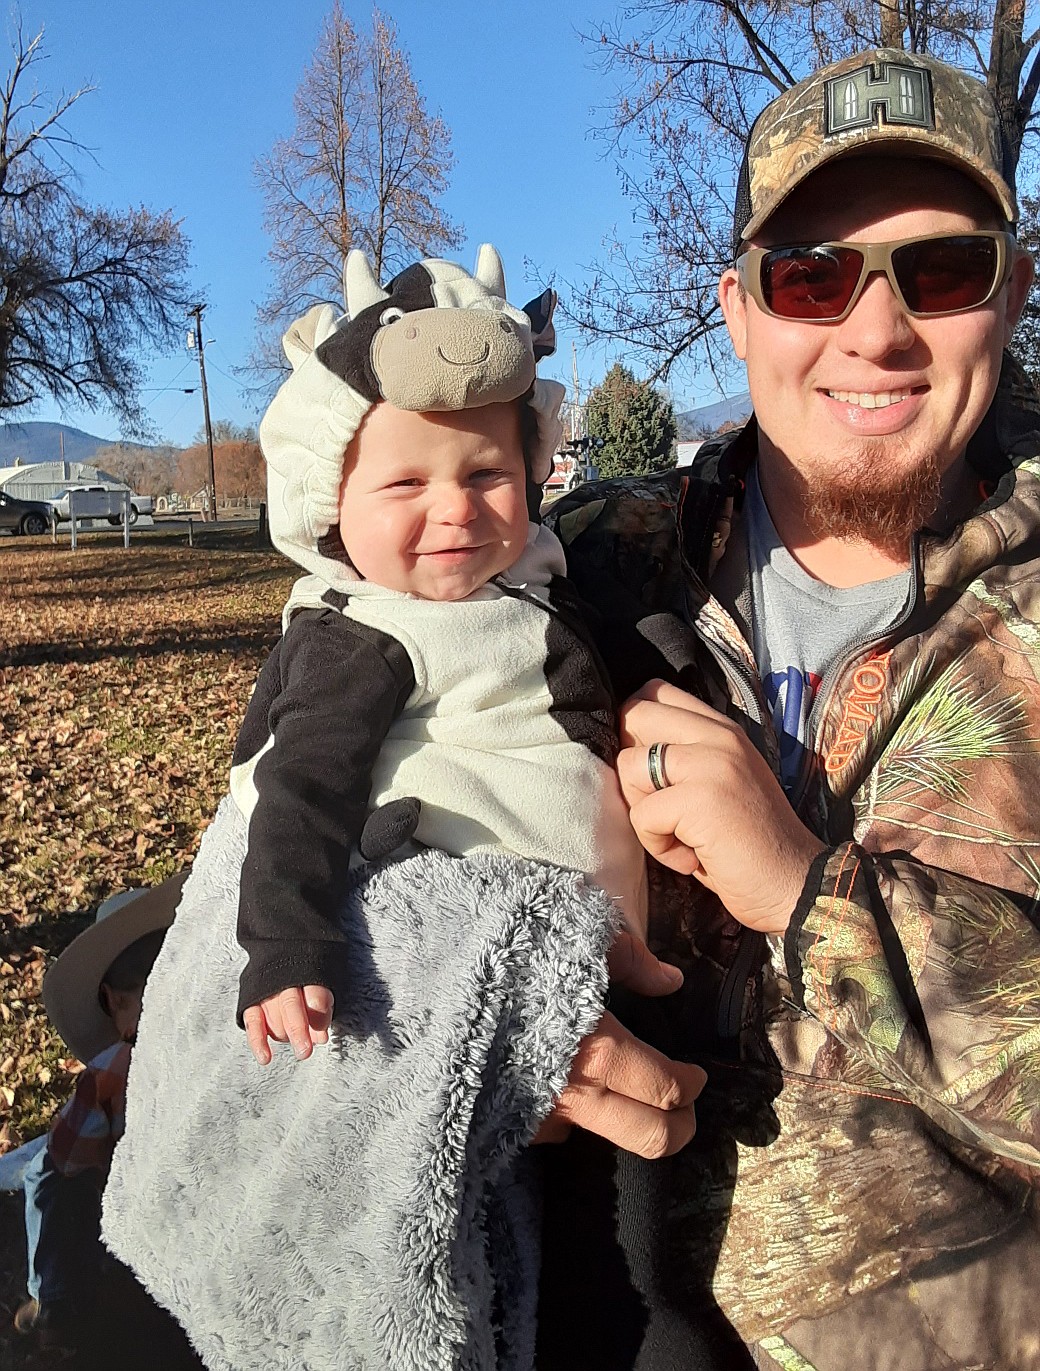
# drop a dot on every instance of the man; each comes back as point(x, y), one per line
point(838, 768)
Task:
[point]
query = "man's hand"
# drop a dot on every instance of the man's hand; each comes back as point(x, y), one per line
point(619, 1087)
point(722, 816)
point(299, 1015)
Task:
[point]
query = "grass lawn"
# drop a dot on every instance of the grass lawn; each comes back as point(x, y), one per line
point(124, 676)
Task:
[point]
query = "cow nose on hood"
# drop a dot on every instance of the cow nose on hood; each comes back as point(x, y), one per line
point(435, 359)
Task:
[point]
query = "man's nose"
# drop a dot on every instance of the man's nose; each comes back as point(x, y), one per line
point(878, 325)
point(453, 504)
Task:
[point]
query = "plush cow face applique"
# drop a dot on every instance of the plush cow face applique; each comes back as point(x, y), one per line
point(437, 338)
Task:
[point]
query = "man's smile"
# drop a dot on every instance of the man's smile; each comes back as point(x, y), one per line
point(865, 399)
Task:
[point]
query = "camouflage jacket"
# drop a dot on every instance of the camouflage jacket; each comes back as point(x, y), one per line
point(861, 1190)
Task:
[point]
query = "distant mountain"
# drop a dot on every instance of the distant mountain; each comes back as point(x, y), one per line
point(699, 423)
point(38, 442)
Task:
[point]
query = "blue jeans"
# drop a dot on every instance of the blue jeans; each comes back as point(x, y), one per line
point(63, 1233)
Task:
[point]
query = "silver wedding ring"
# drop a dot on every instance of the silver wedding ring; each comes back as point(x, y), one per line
point(655, 765)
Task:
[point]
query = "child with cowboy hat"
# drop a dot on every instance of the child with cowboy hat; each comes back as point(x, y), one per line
point(93, 996)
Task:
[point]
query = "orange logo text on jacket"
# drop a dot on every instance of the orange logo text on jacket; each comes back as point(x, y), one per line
point(860, 710)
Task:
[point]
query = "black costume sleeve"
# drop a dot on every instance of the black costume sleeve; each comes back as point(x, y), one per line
point(327, 697)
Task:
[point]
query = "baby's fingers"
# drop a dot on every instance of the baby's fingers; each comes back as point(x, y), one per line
point(295, 1021)
point(319, 1001)
point(298, 1015)
point(255, 1022)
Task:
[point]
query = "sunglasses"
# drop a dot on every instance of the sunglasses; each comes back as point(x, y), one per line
point(941, 273)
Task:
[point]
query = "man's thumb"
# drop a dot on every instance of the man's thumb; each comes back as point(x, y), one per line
point(632, 964)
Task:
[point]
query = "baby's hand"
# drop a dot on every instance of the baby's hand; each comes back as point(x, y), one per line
point(299, 1015)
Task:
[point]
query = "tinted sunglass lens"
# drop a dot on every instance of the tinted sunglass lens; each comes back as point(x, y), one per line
point(942, 275)
point(809, 283)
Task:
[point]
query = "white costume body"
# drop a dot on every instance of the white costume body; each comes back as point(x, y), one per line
point(481, 740)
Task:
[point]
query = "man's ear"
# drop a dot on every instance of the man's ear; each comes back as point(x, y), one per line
point(1020, 280)
point(733, 299)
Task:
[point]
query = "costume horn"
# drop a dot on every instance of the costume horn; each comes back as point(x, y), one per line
point(490, 271)
point(360, 287)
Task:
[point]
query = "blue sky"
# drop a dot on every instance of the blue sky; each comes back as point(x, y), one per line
point(189, 94)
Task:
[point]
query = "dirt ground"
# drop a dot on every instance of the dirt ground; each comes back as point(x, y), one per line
point(123, 679)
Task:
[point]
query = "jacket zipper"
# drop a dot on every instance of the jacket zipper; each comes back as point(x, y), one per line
point(731, 995)
point(837, 669)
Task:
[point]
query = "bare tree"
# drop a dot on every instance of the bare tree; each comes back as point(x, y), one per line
point(691, 77)
point(238, 461)
point(83, 290)
point(148, 470)
point(363, 167)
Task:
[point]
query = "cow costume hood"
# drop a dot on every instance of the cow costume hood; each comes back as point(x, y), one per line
point(436, 338)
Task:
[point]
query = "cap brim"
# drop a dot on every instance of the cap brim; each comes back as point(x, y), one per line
point(904, 145)
point(70, 987)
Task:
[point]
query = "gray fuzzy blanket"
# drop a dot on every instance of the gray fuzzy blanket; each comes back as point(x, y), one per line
point(371, 1207)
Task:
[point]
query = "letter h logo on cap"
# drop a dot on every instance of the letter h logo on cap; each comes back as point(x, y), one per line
point(901, 95)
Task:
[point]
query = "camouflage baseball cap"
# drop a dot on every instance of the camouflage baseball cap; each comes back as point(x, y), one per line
point(883, 99)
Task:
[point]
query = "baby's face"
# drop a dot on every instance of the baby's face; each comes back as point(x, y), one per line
point(435, 504)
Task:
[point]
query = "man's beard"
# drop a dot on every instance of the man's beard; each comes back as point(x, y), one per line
point(871, 503)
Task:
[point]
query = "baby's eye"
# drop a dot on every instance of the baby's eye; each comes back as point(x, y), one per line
point(487, 474)
point(391, 315)
point(405, 483)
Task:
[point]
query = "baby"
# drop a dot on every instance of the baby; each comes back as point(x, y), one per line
point(434, 683)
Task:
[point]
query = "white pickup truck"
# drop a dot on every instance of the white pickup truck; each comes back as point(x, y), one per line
point(101, 502)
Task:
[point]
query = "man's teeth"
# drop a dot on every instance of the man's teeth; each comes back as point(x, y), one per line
point(869, 400)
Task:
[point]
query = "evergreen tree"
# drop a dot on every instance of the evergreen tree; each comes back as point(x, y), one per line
point(635, 422)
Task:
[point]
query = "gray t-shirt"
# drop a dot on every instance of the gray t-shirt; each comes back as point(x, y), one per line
point(802, 625)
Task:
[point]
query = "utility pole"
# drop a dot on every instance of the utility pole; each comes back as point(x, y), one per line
point(196, 314)
point(577, 418)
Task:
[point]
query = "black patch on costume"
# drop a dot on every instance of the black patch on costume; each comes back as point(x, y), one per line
point(348, 353)
point(330, 545)
point(335, 599)
point(389, 827)
point(582, 703)
point(540, 312)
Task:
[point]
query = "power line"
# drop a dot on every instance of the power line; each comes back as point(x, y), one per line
point(222, 372)
point(171, 383)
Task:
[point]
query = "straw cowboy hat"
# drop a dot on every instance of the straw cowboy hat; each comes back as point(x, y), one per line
point(71, 985)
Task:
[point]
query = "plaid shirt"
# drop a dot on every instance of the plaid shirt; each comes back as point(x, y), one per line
point(91, 1122)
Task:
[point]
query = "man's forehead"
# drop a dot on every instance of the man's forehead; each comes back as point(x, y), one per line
point(848, 195)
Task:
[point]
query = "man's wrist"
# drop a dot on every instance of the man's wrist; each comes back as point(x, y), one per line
point(793, 888)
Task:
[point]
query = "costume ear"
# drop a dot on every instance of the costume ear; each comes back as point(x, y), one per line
point(540, 313)
point(490, 271)
point(305, 335)
point(360, 287)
